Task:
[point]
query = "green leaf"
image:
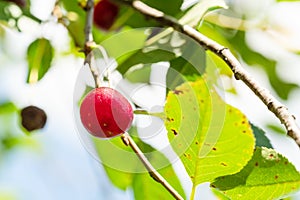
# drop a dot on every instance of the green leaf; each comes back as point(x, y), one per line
point(197, 12)
point(276, 128)
point(127, 53)
point(170, 7)
point(156, 47)
point(139, 74)
point(125, 170)
point(39, 57)
point(9, 142)
point(120, 179)
point(268, 175)
point(215, 62)
point(191, 63)
point(86, 91)
point(219, 194)
point(146, 188)
point(2, 31)
point(136, 20)
point(212, 138)
point(215, 34)
point(189, 58)
point(75, 30)
point(7, 107)
point(261, 139)
point(76, 25)
point(141, 57)
point(4, 13)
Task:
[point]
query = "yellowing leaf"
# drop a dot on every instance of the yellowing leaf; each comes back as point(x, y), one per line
point(212, 138)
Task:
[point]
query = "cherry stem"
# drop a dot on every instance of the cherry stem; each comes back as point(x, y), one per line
point(155, 114)
point(127, 139)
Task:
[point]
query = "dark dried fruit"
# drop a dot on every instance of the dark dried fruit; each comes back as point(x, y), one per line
point(33, 118)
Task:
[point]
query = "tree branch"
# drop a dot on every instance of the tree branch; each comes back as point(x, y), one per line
point(89, 43)
point(280, 111)
point(153, 173)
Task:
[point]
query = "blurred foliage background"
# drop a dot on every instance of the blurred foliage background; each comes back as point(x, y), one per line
point(40, 43)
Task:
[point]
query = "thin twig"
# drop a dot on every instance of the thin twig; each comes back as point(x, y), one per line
point(89, 7)
point(89, 43)
point(280, 110)
point(153, 173)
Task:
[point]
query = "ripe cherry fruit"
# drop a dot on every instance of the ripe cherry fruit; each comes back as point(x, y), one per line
point(105, 14)
point(20, 3)
point(105, 112)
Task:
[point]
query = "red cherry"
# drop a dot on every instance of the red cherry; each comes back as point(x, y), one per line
point(20, 3)
point(105, 113)
point(105, 14)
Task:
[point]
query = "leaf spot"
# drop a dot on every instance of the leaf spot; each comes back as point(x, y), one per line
point(224, 164)
point(174, 131)
point(177, 92)
point(170, 119)
point(256, 164)
point(188, 156)
point(214, 149)
point(276, 176)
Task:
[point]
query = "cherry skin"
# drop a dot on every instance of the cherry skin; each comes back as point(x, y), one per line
point(105, 14)
point(105, 113)
point(20, 3)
